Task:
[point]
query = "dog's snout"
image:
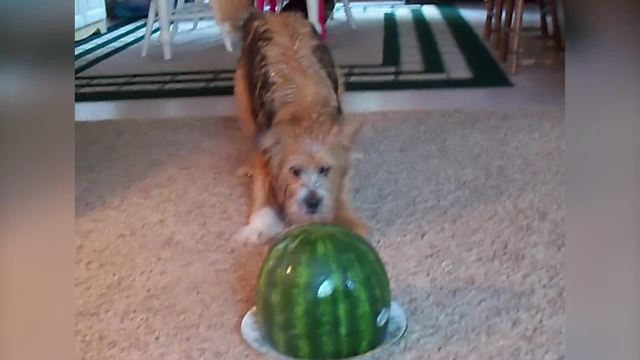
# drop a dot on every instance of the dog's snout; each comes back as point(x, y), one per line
point(312, 201)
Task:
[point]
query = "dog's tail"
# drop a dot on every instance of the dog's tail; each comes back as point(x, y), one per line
point(230, 16)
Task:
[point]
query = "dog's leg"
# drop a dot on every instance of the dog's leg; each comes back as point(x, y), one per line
point(243, 102)
point(351, 221)
point(264, 223)
point(346, 217)
point(245, 116)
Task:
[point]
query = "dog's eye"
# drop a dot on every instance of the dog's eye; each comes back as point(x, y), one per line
point(324, 170)
point(295, 171)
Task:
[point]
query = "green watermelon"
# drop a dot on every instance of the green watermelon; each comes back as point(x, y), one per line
point(323, 293)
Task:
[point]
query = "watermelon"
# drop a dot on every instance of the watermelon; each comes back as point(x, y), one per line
point(323, 293)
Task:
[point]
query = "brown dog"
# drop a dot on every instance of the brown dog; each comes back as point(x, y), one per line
point(288, 90)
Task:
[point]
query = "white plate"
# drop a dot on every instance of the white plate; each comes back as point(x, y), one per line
point(252, 334)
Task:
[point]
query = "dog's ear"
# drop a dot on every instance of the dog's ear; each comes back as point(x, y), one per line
point(346, 131)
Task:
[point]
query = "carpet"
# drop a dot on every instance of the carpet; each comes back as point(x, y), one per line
point(395, 46)
point(467, 209)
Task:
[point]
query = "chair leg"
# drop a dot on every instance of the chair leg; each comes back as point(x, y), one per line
point(506, 31)
point(226, 37)
point(175, 25)
point(498, 27)
point(557, 32)
point(259, 5)
point(488, 21)
point(347, 11)
point(198, 3)
point(516, 36)
point(544, 27)
point(151, 18)
point(174, 29)
point(165, 31)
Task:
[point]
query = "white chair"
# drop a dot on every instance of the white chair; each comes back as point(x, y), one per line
point(347, 11)
point(166, 14)
point(179, 8)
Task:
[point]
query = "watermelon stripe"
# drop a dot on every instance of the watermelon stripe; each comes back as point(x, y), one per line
point(263, 284)
point(287, 321)
point(379, 286)
point(260, 302)
point(323, 315)
point(363, 310)
point(377, 278)
point(267, 268)
point(379, 292)
point(374, 261)
point(274, 309)
point(375, 285)
point(300, 298)
point(326, 251)
point(275, 254)
point(348, 305)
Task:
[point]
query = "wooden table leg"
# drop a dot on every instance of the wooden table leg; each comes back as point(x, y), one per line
point(557, 32)
point(488, 21)
point(543, 18)
point(498, 27)
point(506, 31)
point(517, 32)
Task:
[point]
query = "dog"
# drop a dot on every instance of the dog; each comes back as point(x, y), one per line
point(288, 91)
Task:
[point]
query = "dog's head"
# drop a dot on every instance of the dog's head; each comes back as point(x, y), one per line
point(308, 172)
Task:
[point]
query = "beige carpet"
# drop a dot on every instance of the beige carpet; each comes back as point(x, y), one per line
point(468, 209)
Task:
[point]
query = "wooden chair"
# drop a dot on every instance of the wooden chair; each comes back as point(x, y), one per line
point(499, 33)
point(548, 8)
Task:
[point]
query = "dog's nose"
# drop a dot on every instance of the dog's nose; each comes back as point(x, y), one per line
point(312, 202)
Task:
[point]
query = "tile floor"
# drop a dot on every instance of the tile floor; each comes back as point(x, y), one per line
point(539, 83)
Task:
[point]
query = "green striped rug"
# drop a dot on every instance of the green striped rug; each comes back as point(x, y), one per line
point(394, 47)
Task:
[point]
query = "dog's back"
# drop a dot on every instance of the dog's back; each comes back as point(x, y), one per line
point(288, 72)
point(288, 94)
point(287, 66)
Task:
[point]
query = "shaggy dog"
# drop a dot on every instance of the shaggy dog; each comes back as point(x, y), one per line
point(288, 90)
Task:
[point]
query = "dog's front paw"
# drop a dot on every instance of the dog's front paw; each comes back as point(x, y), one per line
point(263, 226)
point(363, 230)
